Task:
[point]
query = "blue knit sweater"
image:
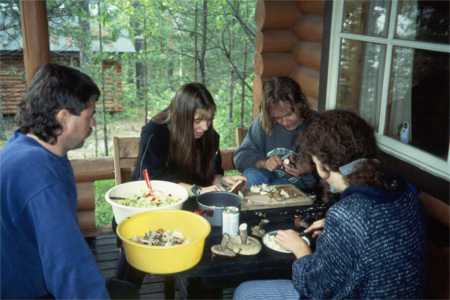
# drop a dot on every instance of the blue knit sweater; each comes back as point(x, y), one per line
point(372, 247)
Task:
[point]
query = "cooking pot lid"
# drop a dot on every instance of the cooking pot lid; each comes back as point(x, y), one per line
point(219, 199)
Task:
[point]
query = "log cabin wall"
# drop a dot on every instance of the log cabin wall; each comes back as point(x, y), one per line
point(289, 43)
point(13, 84)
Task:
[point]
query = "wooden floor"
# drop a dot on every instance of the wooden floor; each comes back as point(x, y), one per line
point(107, 254)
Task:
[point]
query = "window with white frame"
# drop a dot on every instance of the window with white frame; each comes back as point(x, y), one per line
point(389, 62)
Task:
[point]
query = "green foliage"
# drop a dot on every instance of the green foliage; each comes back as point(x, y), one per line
point(103, 211)
point(172, 38)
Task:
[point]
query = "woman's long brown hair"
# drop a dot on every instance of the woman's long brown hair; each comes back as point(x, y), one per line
point(194, 158)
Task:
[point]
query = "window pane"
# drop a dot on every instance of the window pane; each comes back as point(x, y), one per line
point(423, 21)
point(366, 17)
point(361, 78)
point(418, 103)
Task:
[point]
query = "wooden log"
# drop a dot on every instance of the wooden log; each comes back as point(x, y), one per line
point(86, 219)
point(437, 209)
point(86, 196)
point(275, 41)
point(257, 94)
point(227, 159)
point(308, 54)
point(93, 169)
point(308, 80)
point(309, 28)
point(240, 134)
point(275, 14)
point(313, 103)
point(311, 7)
point(274, 64)
point(33, 17)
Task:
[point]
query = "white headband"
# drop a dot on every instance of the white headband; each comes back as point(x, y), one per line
point(351, 167)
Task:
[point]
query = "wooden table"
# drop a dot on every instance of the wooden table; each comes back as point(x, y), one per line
point(214, 273)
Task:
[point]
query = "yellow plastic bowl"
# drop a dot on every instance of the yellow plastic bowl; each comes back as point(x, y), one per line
point(164, 260)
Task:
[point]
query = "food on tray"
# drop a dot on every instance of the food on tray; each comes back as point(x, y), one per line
point(160, 237)
point(262, 189)
point(272, 191)
point(147, 199)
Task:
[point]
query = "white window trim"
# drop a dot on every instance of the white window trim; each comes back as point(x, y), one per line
point(407, 153)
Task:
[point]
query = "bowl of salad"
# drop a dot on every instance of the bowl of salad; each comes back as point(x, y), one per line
point(133, 197)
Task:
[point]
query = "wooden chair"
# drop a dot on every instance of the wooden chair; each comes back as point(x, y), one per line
point(126, 150)
point(240, 135)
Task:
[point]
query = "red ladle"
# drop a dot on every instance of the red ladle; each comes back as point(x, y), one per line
point(147, 181)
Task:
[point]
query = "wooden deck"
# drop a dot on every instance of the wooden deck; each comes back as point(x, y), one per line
point(107, 255)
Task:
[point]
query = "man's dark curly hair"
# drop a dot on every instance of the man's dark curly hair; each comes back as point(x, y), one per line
point(53, 88)
point(338, 137)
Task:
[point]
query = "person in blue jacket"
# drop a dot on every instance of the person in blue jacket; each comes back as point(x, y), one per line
point(43, 252)
point(267, 155)
point(371, 242)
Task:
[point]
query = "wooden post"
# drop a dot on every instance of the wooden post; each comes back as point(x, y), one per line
point(309, 28)
point(308, 54)
point(274, 64)
point(308, 80)
point(36, 50)
point(257, 94)
point(278, 40)
point(275, 14)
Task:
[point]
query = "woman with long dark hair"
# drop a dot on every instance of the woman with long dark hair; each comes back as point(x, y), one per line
point(180, 144)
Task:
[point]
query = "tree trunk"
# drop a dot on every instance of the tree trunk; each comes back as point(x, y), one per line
point(232, 74)
point(85, 39)
point(202, 58)
point(196, 41)
point(244, 76)
point(144, 86)
point(139, 45)
point(102, 72)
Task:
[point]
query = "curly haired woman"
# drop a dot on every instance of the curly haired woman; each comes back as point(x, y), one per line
point(371, 242)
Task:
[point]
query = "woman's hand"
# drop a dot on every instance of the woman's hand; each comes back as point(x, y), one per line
point(272, 163)
point(316, 228)
point(297, 169)
point(210, 188)
point(231, 180)
point(290, 240)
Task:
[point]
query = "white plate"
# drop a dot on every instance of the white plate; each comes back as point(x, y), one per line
point(270, 242)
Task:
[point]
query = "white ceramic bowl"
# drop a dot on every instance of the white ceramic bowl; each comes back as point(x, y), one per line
point(132, 188)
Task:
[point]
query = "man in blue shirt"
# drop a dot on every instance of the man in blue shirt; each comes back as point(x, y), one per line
point(43, 252)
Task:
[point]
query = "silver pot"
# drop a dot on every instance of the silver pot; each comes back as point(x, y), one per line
point(211, 205)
